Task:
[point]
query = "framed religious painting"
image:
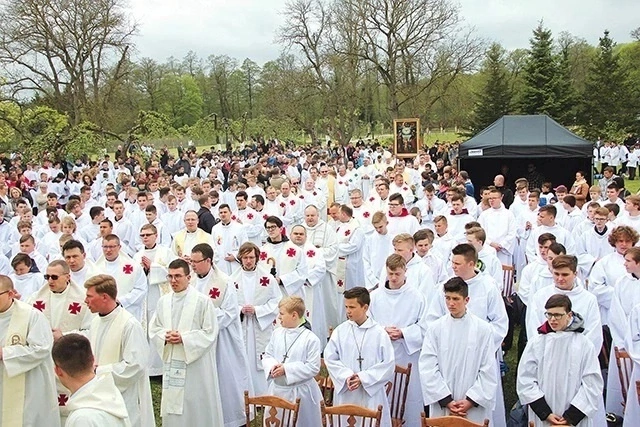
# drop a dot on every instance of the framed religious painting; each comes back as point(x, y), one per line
point(406, 134)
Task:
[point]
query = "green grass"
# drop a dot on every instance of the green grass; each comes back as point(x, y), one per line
point(632, 186)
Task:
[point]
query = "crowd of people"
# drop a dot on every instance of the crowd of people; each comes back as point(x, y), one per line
point(220, 272)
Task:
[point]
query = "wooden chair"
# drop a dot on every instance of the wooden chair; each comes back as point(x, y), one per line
point(326, 385)
point(508, 272)
point(275, 410)
point(625, 367)
point(397, 394)
point(450, 422)
point(350, 416)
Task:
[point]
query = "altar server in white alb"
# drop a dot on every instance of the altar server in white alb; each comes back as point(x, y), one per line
point(292, 360)
point(129, 276)
point(401, 309)
point(500, 225)
point(258, 298)
point(559, 374)
point(457, 363)
point(95, 400)
point(230, 351)
point(27, 385)
point(120, 347)
point(184, 331)
point(360, 357)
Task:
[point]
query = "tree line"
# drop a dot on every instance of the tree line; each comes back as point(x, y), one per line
point(71, 83)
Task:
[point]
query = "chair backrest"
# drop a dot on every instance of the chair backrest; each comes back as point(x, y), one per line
point(451, 422)
point(625, 366)
point(326, 385)
point(507, 280)
point(276, 412)
point(397, 393)
point(350, 416)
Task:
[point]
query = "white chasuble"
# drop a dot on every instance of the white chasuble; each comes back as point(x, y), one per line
point(289, 263)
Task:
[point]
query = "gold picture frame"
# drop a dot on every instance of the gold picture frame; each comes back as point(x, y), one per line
point(406, 136)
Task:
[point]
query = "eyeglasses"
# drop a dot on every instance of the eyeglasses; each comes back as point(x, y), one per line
point(51, 276)
point(197, 261)
point(271, 227)
point(171, 277)
point(5, 292)
point(556, 316)
point(145, 235)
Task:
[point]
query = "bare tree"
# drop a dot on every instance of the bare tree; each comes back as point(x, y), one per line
point(70, 52)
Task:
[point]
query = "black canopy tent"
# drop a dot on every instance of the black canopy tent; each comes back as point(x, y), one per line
point(517, 141)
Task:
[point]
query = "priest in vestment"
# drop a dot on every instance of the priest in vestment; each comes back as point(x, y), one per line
point(457, 363)
point(120, 347)
point(226, 238)
point(350, 267)
point(154, 259)
point(285, 260)
point(400, 309)
point(258, 297)
point(27, 385)
point(231, 357)
point(80, 267)
point(129, 276)
point(184, 331)
point(185, 239)
point(324, 239)
point(360, 357)
point(62, 303)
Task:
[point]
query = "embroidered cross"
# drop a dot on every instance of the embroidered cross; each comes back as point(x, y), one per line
point(39, 305)
point(233, 217)
point(366, 214)
point(282, 205)
point(292, 202)
point(340, 283)
point(74, 308)
point(291, 252)
point(371, 199)
point(263, 256)
point(62, 399)
point(404, 188)
point(264, 281)
point(347, 232)
point(311, 253)
point(265, 216)
point(315, 194)
point(250, 216)
point(215, 292)
point(128, 269)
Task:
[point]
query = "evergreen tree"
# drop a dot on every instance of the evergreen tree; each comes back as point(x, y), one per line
point(495, 99)
point(605, 98)
point(539, 89)
point(566, 98)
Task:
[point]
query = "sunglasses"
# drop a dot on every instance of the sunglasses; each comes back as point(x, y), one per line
point(51, 276)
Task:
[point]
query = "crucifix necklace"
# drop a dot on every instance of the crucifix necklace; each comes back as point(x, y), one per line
point(359, 347)
point(287, 349)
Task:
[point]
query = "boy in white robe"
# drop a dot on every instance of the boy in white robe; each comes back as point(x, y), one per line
point(27, 385)
point(184, 331)
point(400, 308)
point(258, 297)
point(499, 224)
point(457, 363)
point(360, 357)
point(424, 249)
point(292, 360)
point(26, 282)
point(231, 357)
point(120, 347)
point(559, 374)
point(95, 400)
point(377, 247)
point(487, 257)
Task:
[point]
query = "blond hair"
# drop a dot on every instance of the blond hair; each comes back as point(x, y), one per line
point(103, 284)
point(293, 304)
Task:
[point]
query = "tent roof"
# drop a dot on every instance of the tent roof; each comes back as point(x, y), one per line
point(525, 136)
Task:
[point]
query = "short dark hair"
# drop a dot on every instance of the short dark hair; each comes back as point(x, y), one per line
point(558, 248)
point(95, 211)
point(545, 237)
point(559, 300)
point(396, 197)
point(550, 209)
point(72, 353)
point(242, 194)
point(361, 294)
point(273, 220)
point(179, 263)
point(457, 285)
point(467, 251)
point(73, 244)
point(205, 249)
point(258, 198)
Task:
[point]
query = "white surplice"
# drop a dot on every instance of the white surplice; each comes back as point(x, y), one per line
point(98, 403)
point(377, 247)
point(405, 309)
point(199, 345)
point(458, 361)
point(370, 343)
point(33, 359)
point(131, 281)
point(301, 365)
point(603, 277)
point(226, 240)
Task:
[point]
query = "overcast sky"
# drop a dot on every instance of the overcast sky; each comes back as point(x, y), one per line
point(246, 28)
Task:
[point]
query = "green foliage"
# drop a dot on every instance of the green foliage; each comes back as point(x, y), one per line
point(494, 101)
point(153, 125)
